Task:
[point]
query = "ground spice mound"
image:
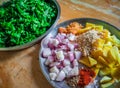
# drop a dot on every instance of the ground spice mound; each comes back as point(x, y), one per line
point(86, 77)
point(85, 41)
point(73, 81)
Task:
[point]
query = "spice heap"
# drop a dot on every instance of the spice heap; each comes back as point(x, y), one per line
point(73, 28)
point(73, 81)
point(86, 40)
point(86, 76)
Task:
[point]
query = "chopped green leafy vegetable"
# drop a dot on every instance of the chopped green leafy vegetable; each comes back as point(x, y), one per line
point(21, 21)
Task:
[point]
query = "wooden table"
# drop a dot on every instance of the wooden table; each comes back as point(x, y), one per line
point(20, 69)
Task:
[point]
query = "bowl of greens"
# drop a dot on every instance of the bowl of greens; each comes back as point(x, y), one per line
point(25, 22)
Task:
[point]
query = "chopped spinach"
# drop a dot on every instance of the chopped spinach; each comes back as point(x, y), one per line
point(21, 21)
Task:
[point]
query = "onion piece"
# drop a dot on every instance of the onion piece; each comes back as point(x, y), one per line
point(60, 55)
point(54, 64)
point(66, 62)
point(67, 69)
point(49, 60)
point(71, 56)
point(75, 63)
point(71, 37)
point(77, 54)
point(46, 52)
point(71, 46)
point(54, 70)
point(61, 76)
point(52, 76)
point(73, 72)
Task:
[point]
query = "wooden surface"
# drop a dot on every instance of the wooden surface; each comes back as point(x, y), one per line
point(20, 69)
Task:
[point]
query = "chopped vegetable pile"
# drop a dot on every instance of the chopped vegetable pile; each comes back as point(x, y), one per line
point(21, 21)
point(85, 57)
point(62, 56)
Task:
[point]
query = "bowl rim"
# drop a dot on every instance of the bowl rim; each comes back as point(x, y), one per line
point(70, 20)
point(38, 39)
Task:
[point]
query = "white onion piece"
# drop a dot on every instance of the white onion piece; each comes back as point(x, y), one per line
point(73, 72)
point(60, 55)
point(67, 69)
point(54, 70)
point(71, 37)
point(65, 41)
point(71, 46)
point(75, 62)
point(52, 76)
point(63, 47)
point(66, 62)
point(61, 76)
point(54, 42)
point(54, 64)
point(60, 37)
point(49, 60)
point(77, 54)
point(46, 52)
point(63, 34)
point(71, 56)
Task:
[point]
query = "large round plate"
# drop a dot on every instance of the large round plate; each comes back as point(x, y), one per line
point(114, 30)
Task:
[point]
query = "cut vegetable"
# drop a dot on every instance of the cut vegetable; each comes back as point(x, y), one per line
point(92, 61)
point(107, 85)
point(105, 79)
point(85, 61)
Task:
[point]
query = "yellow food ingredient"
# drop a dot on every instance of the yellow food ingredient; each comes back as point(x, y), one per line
point(90, 25)
point(102, 60)
point(99, 28)
point(105, 79)
point(98, 44)
point(92, 61)
point(96, 53)
point(115, 41)
point(104, 71)
point(85, 61)
point(96, 70)
point(88, 61)
point(105, 34)
point(115, 72)
point(107, 84)
point(104, 55)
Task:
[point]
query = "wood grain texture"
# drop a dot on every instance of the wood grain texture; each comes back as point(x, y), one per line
point(20, 69)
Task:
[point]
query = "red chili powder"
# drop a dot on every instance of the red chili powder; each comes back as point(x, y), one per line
point(86, 76)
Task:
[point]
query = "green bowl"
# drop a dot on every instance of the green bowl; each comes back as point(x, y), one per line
point(38, 39)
